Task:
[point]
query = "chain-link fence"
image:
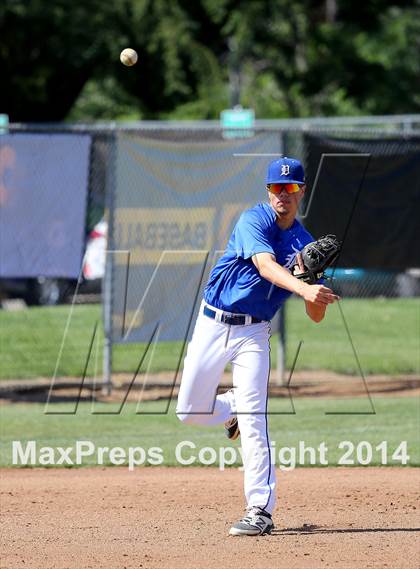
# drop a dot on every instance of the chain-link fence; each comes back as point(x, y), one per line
point(181, 188)
point(373, 279)
point(185, 189)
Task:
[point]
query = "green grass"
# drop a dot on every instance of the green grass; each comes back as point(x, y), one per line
point(396, 420)
point(385, 333)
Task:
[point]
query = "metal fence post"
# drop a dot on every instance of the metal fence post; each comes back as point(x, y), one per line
point(107, 293)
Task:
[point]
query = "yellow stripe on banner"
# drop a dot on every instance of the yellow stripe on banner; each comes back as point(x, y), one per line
point(147, 232)
point(132, 318)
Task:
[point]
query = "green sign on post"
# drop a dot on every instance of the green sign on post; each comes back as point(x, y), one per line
point(237, 122)
point(4, 124)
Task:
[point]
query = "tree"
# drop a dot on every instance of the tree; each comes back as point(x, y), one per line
point(282, 57)
point(317, 58)
point(50, 51)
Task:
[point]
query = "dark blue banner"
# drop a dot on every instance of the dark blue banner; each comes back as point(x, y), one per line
point(43, 190)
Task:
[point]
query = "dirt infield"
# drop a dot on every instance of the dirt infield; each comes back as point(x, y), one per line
point(179, 518)
point(319, 383)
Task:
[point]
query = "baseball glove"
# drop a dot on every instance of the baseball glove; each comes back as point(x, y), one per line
point(318, 256)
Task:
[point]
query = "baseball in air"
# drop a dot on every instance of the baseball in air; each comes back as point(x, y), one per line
point(128, 57)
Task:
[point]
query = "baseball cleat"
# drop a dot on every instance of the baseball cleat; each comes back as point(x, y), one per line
point(232, 429)
point(256, 522)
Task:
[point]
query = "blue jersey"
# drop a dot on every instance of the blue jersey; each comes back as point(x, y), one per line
point(235, 284)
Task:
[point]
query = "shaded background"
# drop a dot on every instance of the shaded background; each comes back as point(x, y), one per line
point(369, 198)
point(284, 58)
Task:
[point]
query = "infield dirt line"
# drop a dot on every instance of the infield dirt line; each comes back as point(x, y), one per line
point(179, 517)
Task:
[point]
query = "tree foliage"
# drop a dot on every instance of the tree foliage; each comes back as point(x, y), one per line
point(59, 59)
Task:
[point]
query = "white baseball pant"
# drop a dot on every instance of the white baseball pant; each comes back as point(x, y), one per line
point(213, 345)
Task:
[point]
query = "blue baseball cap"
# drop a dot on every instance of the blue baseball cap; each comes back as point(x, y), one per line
point(285, 171)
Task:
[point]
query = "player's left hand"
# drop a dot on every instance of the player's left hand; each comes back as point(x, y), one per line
point(317, 256)
point(299, 268)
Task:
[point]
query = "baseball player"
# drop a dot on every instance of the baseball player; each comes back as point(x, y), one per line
point(245, 289)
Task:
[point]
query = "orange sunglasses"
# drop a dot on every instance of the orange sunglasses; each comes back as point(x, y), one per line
point(277, 188)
